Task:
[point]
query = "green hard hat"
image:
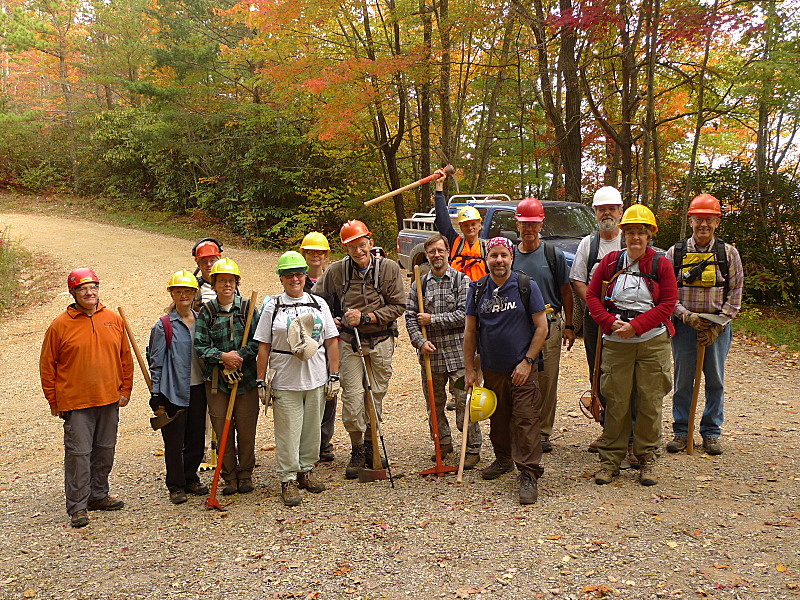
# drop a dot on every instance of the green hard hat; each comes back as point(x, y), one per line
point(291, 261)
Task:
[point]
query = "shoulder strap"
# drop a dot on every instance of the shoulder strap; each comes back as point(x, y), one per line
point(677, 260)
point(525, 289)
point(550, 255)
point(483, 249)
point(167, 323)
point(722, 263)
point(594, 250)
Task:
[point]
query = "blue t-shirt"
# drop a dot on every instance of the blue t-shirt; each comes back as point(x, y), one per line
point(534, 265)
point(506, 327)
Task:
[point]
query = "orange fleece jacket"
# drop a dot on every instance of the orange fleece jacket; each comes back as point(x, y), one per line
point(85, 361)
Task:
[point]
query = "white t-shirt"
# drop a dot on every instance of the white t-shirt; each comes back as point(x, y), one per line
point(291, 373)
point(630, 292)
point(579, 266)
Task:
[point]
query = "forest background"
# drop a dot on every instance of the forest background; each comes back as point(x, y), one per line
point(277, 117)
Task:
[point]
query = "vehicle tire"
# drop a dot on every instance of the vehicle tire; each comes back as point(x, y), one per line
point(418, 257)
point(577, 313)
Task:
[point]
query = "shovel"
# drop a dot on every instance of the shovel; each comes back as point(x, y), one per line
point(698, 373)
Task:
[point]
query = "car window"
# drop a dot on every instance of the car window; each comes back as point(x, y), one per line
point(568, 220)
point(504, 224)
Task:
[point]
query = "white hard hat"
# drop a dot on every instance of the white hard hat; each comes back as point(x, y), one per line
point(607, 195)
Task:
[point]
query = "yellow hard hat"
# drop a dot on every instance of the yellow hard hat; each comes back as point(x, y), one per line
point(225, 266)
point(469, 213)
point(182, 279)
point(639, 214)
point(482, 404)
point(315, 241)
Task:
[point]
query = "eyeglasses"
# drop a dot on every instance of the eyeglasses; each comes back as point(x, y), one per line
point(435, 251)
point(188, 292)
point(85, 289)
point(294, 275)
point(699, 220)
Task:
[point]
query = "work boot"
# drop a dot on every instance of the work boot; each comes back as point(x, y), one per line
point(196, 488)
point(605, 475)
point(500, 466)
point(445, 450)
point(368, 457)
point(290, 493)
point(308, 481)
point(593, 446)
point(528, 489)
point(712, 446)
point(79, 519)
point(357, 460)
point(471, 461)
point(633, 461)
point(231, 487)
point(246, 486)
point(107, 503)
point(178, 497)
point(547, 445)
point(647, 470)
point(678, 444)
point(326, 456)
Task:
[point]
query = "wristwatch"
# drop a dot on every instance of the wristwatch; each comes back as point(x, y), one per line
point(530, 361)
point(333, 377)
point(365, 319)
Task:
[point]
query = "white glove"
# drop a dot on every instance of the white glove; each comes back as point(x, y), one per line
point(332, 387)
point(231, 375)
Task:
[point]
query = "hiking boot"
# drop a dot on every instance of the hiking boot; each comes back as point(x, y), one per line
point(712, 446)
point(308, 481)
point(471, 461)
point(368, 458)
point(196, 488)
point(246, 486)
point(595, 445)
point(499, 467)
point(327, 456)
point(231, 487)
point(357, 460)
point(528, 489)
point(445, 450)
point(290, 493)
point(79, 519)
point(178, 497)
point(678, 444)
point(605, 475)
point(107, 503)
point(647, 470)
point(547, 445)
point(632, 459)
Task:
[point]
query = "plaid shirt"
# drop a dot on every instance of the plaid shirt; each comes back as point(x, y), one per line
point(446, 330)
point(223, 335)
point(698, 299)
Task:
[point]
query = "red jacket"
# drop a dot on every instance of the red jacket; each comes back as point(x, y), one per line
point(664, 292)
point(85, 361)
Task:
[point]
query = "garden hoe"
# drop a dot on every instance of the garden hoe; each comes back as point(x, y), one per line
point(212, 501)
point(440, 469)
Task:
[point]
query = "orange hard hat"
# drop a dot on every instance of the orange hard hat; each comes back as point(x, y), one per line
point(207, 248)
point(530, 210)
point(705, 204)
point(352, 230)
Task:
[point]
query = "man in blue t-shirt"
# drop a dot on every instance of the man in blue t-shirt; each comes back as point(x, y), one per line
point(509, 336)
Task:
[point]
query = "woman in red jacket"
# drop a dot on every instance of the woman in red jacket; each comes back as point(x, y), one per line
point(631, 297)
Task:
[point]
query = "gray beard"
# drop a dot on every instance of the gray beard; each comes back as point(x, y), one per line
point(608, 225)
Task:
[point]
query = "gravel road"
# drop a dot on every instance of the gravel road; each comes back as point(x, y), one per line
point(715, 527)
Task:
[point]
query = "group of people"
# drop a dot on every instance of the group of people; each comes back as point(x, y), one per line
point(495, 313)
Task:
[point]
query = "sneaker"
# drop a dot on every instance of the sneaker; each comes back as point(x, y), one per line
point(197, 488)
point(595, 445)
point(528, 489)
point(471, 461)
point(308, 481)
point(647, 470)
point(445, 450)
point(290, 493)
point(357, 460)
point(497, 468)
point(326, 457)
point(245, 486)
point(712, 446)
point(79, 519)
point(678, 444)
point(107, 503)
point(178, 497)
point(231, 487)
point(605, 475)
point(547, 445)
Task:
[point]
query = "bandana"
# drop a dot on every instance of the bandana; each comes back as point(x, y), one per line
point(500, 241)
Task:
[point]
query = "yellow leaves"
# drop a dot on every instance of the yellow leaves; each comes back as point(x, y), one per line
point(780, 568)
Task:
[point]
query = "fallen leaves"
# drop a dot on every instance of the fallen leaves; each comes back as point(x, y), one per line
point(598, 590)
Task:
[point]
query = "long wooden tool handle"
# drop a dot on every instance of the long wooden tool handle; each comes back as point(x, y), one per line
point(135, 346)
point(465, 427)
point(448, 170)
point(698, 372)
point(247, 323)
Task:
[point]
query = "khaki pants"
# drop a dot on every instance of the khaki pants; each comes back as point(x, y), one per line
point(647, 368)
point(297, 433)
point(354, 414)
point(240, 449)
point(440, 381)
point(548, 379)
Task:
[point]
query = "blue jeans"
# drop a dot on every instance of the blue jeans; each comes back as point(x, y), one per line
point(684, 352)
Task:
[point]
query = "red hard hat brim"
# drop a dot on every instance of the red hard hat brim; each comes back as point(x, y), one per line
point(530, 219)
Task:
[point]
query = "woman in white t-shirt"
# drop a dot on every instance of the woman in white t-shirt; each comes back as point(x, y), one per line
point(298, 343)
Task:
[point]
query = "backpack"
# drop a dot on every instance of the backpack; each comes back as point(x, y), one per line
point(167, 323)
point(594, 250)
point(338, 308)
point(213, 312)
point(468, 257)
point(524, 291)
point(720, 250)
point(457, 281)
point(278, 306)
point(649, 277)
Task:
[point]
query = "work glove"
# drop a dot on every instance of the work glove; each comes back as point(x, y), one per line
point(707, 337)
point(231, 375)
point(332, 387)
point(261, 385)
point(160, 402)
point(696, 321)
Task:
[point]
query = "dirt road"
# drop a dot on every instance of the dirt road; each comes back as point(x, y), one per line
point(715, 527)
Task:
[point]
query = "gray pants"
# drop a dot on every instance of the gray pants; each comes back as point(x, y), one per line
point(440, 381)
point(90, 438)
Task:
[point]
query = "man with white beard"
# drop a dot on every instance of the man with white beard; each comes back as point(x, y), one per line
point(607, 205)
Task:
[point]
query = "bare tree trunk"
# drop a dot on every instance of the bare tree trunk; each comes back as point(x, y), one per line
point(443, 22)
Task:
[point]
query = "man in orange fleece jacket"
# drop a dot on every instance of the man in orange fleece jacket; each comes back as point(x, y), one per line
point(87, 375)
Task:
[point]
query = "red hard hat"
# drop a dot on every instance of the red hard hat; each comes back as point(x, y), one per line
point(81, 276)
point(705, 204)
point(530, 210)
point(352, 230)
point(208, 248)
